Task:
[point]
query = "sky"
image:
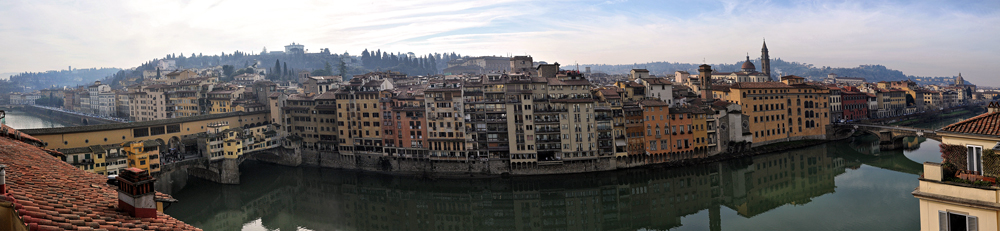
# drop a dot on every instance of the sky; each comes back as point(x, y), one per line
point(922, 38)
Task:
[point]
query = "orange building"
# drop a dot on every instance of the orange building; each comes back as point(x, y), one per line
point(634, 133)
point(403, 122)
point(682, 132)
point(656, 115)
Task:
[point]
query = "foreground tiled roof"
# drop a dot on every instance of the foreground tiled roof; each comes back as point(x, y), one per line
point(50, 194)
point(985, 124)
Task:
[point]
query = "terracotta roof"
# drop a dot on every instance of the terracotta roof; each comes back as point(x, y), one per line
point(556, 82)
point(722, 88)
point(986, 124)
point(609, 93)
point(327, 95)
point(748, 65)
point(657, 81)
point(652, 102)
point(740, 85)
point(50, 194)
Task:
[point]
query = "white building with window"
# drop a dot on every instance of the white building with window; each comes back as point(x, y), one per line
point(961, 193)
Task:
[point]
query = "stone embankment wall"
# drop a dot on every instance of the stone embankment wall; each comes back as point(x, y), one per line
point(485, 168)
point(424, 167)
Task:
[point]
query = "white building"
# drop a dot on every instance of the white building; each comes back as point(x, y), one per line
point(107, 106)
point(95, 91)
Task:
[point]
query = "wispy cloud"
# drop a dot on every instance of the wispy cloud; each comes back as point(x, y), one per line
point(921, 38)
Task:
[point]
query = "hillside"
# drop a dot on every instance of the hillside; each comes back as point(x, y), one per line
point(779, 67)
point(281, 66)
point(30, 81)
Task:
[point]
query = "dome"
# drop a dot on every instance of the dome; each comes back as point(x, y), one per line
point(748, 65)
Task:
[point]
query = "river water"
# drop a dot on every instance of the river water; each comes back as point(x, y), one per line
point(842, 185)
point(22, 120)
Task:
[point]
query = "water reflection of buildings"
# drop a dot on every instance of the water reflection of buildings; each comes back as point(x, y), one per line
point(622, 200)
point(870, 145)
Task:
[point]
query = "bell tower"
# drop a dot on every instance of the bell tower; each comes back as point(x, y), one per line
point(765, 61)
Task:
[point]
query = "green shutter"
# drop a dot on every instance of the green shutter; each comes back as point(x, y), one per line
point(943, 220)
point(973, 223)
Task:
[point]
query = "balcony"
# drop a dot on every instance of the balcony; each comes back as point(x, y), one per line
point(935, 186)
point(546, 120)
point(497, 120)
point(546, 130)
point(551, 110)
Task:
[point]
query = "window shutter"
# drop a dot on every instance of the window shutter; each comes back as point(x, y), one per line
point(943, 220)
point(970, 155)
point(973, 223)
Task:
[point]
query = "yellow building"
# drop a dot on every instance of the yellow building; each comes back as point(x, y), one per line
point(184, 103)
point(223, 142)
point(98, 159)
point(958, 194)
point(222, 101)
point(143, 155)
point(358, 117)
point(778, 112)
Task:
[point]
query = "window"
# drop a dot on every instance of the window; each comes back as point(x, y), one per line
point(975, 158)
point(955, 221)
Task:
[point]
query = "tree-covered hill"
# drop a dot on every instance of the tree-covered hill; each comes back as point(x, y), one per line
point(779, 67)
point(31, 81)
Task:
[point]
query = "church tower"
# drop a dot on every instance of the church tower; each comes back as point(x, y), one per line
point(765, 61)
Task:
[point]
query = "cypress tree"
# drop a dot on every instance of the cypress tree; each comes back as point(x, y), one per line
point(277, 68)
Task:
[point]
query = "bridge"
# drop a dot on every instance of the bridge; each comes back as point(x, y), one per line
point(70, 118)
point(177, 133)
point(890, 137)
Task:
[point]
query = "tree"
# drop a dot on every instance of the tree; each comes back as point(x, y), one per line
point(277, 66)
point(342, 68)
point(366, 59)
point(285, 70)
point(327, 67)
point(227, 70)
point(320, 72)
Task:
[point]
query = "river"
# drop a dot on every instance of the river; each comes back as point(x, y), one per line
point(842, 185)
point(22, 120)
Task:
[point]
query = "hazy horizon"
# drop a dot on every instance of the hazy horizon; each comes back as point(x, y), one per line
point(923, 38)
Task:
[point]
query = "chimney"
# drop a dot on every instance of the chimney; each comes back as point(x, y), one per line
point(136, 194)
point(3, 179)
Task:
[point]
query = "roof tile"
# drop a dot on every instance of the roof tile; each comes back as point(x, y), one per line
point(60, 196)
point(985, 124)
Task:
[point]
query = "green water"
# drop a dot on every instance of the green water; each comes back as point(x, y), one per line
point(23, 120)
point(842, 185)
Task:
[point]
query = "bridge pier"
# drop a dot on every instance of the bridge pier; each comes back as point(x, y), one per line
point(225, 171)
